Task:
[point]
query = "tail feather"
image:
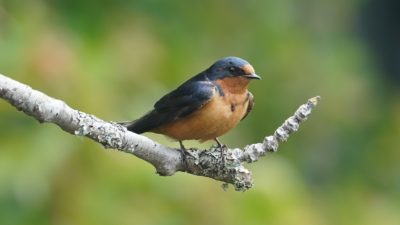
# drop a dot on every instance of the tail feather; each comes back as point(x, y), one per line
point(126, 123)
point(143, 124)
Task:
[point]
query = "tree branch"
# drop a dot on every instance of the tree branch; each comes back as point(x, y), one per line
point(227, 167)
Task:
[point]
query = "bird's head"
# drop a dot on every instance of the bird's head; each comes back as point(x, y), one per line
point(232, 67)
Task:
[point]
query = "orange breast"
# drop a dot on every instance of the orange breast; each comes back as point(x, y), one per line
point(214, 119)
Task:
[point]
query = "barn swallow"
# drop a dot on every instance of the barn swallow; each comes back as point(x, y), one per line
point(204, 107)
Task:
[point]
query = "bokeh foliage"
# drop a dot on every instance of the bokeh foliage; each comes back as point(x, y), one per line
point(116, 58)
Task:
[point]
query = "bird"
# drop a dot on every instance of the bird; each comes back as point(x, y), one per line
point(204, 107)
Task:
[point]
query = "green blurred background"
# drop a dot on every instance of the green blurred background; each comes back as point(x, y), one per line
point(115, 58)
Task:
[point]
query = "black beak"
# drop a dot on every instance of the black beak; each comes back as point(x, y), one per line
point(252, 76)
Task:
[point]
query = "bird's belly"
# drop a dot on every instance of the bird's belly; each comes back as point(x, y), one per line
point(212, 120)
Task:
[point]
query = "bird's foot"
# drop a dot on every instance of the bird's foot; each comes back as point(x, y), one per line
point(183, 152)
point(221, 149)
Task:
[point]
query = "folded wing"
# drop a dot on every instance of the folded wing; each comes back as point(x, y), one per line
point(179, 103)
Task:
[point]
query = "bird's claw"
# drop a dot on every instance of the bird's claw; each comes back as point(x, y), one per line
point(183, 152)
point(221, 149)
